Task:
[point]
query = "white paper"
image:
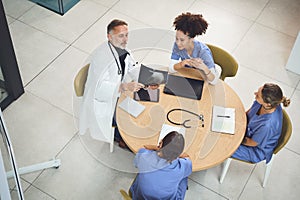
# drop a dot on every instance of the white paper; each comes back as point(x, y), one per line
point(131, 106)
point(223, 120)
point(165, 129)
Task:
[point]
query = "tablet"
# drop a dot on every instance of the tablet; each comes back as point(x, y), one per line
point(146, 95)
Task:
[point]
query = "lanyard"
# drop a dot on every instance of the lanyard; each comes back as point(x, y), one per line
point(201, 118)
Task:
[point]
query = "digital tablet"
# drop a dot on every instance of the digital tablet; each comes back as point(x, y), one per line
point(146, 95)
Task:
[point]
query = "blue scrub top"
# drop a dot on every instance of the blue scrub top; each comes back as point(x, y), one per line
point(265, 130)
point(159, 179)
point(200, 51)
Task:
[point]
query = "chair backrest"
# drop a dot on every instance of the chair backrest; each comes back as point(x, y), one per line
point(80, 79)
point(125, 195)
point(286, 132)
point(225, 60)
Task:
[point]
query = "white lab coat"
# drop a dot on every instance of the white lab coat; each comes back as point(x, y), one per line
point(101, 93)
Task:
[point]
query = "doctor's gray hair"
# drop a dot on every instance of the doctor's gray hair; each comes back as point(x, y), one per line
point(114, 23)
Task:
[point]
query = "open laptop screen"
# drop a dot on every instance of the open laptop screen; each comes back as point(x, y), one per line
point(184, 87)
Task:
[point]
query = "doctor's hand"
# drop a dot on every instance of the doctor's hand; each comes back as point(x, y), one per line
point(131, 86)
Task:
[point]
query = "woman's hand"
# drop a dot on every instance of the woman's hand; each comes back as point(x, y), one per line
point(151, 147)
point(184, 155)
point(199, 64)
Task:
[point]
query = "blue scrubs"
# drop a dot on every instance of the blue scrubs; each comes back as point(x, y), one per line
point(200, 51)
point(265, 130)
point(159, 179)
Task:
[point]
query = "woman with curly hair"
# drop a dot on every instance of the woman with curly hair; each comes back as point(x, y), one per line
point(191, 53)
point(264, 125)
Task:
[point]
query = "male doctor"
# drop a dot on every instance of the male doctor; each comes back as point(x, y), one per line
point(108, 75)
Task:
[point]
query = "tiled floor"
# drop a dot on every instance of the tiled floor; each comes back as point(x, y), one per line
point(51, 48)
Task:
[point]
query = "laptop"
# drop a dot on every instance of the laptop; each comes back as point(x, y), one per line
point(184, 87)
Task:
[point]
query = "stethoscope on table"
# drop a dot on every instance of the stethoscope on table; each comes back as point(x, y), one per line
point(199, 116)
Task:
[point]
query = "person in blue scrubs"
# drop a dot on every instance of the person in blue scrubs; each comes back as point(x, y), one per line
point(264, 125)
point(190, 53)
point(163, 170)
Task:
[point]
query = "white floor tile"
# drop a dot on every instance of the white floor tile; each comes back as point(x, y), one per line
point(97, 33)
point(16, 8)
point(266, 51)
point(225, 29)
point(245, 86)
point(38, 131)
point(244, 8)
point(69, 26)
point(156, 13)
point(9, 19)
point(233, 184)
point(82, 176)
point(108, 3)
point(198, 191)
point(282, 16)
point(34, 49)
point(283, 181)
point(58, 77)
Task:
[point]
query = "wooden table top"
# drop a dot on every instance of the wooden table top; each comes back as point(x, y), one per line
point(206, 148)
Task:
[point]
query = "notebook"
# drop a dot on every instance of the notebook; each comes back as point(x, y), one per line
point(184, 87)
point(223, 120)
point(131, 106)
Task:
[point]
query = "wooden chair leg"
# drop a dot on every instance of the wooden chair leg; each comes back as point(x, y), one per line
point(225, 169)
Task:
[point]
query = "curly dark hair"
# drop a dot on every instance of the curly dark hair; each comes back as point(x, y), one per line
point(172, 146)
point(190, 24)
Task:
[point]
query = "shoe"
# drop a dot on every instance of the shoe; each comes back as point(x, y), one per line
point(124, 146)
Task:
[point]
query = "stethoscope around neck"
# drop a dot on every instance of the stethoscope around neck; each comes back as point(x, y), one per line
point(119, 68)
point(199, 116)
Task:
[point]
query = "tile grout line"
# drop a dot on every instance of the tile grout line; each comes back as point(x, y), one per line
point(208, 188)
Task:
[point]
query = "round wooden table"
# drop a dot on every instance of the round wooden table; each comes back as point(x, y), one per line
point(206, 148)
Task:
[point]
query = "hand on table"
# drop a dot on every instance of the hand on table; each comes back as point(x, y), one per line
point(151, 147)
point(184, 155)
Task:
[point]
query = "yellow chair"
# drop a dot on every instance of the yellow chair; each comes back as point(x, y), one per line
point(80, 79)
point(286, 132)
point(125, 195)
point(225, 60)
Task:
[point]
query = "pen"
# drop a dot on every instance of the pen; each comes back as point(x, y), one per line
point(226, 116)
